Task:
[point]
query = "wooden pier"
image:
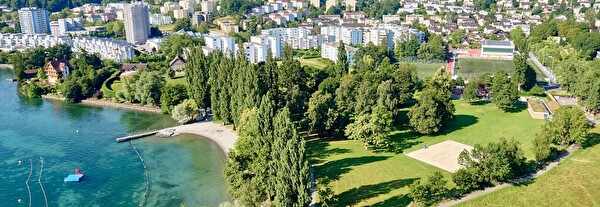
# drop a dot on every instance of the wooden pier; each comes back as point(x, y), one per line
point(136, 136)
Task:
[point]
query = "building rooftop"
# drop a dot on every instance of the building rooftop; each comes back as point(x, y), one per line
point(497, 43)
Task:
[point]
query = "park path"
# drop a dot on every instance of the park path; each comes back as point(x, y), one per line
point(498, 187)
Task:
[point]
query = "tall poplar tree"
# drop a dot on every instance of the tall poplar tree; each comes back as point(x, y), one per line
point(342, 60)
point(196, 73)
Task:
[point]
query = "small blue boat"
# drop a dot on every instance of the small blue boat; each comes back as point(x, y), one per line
point(74, 177)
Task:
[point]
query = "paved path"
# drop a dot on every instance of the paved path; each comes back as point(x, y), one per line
point(545, 70)
point(498, 187)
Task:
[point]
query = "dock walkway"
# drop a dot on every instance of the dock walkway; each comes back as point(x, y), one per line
point(136, 136)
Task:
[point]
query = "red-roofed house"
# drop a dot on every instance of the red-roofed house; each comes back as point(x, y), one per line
point(57, 69)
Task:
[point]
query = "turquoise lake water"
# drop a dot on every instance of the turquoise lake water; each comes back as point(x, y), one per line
point(182, 170)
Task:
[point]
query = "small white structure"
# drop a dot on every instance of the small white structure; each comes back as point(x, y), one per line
point(329, 50)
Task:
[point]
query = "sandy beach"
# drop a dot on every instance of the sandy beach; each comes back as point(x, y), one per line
point(221, 135)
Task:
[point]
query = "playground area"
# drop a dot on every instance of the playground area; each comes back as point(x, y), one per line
point(443, 155)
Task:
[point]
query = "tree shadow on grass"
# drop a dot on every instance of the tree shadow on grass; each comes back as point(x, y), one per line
point(459, 122)
point(592, 140)
point(525, 183)
point(480, 103)
point(332, 170)
point(317, 151)
point(518, 108)
point(356, 195)
point(403, 200)
point(402, 141)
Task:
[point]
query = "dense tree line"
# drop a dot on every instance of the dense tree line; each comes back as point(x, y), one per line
point(568, 126)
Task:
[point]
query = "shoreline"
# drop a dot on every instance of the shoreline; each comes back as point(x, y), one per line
point(221, 135)
point(7, 66)
point(101, 103)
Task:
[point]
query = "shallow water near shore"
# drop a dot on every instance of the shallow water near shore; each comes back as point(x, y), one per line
point(183, 170)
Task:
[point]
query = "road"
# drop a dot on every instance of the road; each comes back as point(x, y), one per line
point(549, 73)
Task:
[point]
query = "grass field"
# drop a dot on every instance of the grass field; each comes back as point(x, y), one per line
point(425, 70)
point(318, 63)
point(169, 27)
point(468, 67)
point(365, 178)
point(178, 79)
point(576, 182)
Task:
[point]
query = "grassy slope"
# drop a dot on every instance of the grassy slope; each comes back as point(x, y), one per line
point(318, 63)
point(576, 182)
point(361, 177)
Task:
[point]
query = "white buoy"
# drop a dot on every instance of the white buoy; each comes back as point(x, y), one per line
point(19, 200)
point(78, 131)
point(19, 162)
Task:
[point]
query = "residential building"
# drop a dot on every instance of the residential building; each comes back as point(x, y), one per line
point(316, 3)
point(177, 64)
point(208, 6)
point(273, 43)
point(106, 48)
point(13, 42)
point(137, 23)
point(62, 26)
point(219, 41)
point(34, 20)
point(350, 35)
point(129, 68)
point(329, 50)
point(255, 52)
point(201, 16)
point(57, 69)
point(160, 19)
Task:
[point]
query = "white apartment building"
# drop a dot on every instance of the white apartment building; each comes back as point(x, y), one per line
point(110, 49)
point(13, 42)
point(62, 26)
point(34, 20)
point(256, 52)
point(350, 35)
point(220, 42)
point(298, 38)
point(208, 6)
point(273, 43)
point(137, 23)
point(379, 36)
point(169, 6)
point(160, 19)
point(329, 50)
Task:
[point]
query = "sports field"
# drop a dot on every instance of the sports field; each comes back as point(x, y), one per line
point(469, 67)
point(576, 182)
point(361, 177)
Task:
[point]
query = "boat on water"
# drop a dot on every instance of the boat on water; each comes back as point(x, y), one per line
point(74, 177)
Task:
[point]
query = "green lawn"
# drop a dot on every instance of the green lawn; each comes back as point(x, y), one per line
point(178, 79)
point(169, 27)
point(117, 85)
point(361, 177)
point(425, 70)
point(576, 182)
point(318, 63)
point(468, 67)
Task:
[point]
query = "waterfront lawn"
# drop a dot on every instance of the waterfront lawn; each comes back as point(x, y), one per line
point(117, 85)
point(361, 177)
point(576, 182)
